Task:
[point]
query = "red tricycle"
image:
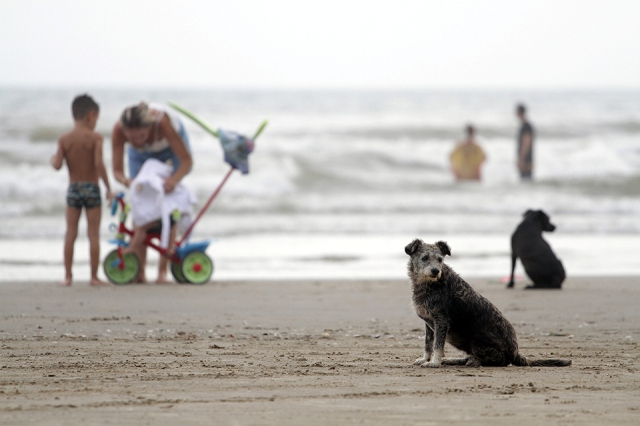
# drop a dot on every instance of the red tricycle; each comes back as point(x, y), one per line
point(190, 263)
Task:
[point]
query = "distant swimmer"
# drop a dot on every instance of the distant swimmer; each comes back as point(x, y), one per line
point(525, 144)
point(467, 158)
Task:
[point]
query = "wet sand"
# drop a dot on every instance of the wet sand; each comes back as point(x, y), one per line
point(306, 352)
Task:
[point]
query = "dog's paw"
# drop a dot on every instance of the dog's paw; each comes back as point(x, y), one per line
point(431, 364)
point(510, 284)
point(420, 361)
point(473, 362)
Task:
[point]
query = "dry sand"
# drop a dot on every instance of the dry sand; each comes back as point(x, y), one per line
point(326, 352)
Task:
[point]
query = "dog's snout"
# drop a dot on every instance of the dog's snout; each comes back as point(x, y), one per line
point(435, 271)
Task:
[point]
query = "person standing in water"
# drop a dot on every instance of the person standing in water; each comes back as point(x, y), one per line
point(524, 145)
point(467, 157)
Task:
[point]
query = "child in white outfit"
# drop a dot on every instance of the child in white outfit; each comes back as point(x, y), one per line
point(151, 205)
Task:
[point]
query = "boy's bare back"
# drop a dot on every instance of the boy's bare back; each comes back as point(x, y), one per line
point(82, 150)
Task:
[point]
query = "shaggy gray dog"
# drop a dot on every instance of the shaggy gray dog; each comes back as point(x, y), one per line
point(454, 312)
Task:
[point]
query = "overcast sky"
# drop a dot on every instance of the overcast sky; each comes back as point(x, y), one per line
point(321, 44)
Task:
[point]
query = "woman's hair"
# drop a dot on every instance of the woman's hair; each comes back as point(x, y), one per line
point(136, 116)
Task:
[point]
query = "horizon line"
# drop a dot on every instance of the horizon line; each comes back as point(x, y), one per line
point(318, 88)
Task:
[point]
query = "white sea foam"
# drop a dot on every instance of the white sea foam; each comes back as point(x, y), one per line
point(337, 256)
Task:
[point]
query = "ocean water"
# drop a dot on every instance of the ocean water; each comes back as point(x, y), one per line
point(341, 180)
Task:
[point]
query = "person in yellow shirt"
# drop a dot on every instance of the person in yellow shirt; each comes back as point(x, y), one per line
point(467, 158)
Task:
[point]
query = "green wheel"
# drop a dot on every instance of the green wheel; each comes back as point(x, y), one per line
point(121, 276)
point(197, 267)
point(176, 271)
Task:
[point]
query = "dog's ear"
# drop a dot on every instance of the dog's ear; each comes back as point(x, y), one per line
point(542, 215)
point(527, 212)
point(444, 248)
point(412, 246)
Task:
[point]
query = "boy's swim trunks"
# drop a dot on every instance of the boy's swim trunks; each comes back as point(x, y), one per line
point(83, 194)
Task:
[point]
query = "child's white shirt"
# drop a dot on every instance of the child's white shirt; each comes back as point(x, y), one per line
point(149, 201)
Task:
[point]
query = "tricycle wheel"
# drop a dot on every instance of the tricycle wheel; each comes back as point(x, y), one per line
point(197, 267)
point(121, 274)
point(176, 271)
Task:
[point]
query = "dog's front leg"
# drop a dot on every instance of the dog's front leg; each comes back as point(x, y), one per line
point(428, 345)
point(511, 282)
point(440, 329)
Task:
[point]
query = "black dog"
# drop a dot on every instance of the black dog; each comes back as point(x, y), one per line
point(455, 313)
point(539, 261)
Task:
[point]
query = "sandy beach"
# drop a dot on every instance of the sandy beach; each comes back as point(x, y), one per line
point(306, 352)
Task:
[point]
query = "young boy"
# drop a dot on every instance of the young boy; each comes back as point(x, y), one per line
point(82, 150)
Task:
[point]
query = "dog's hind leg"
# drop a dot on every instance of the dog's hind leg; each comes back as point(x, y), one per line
point(541, 287)
point(428, 346)
point(458, 361)
point(488, 357)
point(472, 361)
point(558, 277)
point(549, 283)
point(521, 361)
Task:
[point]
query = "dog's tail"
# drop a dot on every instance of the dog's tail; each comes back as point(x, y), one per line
point(521, 361)
point(550, 363)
